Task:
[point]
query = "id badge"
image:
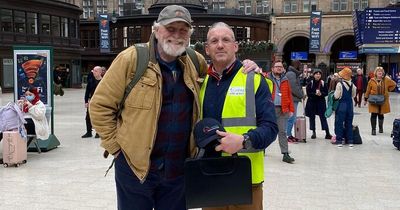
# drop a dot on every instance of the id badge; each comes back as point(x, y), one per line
point(279, 94)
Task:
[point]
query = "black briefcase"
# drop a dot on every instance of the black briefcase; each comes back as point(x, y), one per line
point(220, 181)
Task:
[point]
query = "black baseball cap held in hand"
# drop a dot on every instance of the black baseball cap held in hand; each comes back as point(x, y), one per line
point(205, 131)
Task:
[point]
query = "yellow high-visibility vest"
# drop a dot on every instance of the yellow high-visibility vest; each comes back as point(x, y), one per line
point(239, 115)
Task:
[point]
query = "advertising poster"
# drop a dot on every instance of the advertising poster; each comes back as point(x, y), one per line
point(104, 33)
point(32, 68)
point(315, 31)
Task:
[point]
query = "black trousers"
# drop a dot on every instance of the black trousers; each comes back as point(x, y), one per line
point(88, 122)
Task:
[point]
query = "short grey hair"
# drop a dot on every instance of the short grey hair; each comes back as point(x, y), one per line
point(157, 25)
point(221, 25)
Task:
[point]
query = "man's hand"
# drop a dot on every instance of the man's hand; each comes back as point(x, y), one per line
point(291, 114)
point(249, 65)
point(230, 143)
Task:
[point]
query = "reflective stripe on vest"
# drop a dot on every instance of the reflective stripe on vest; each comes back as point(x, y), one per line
point(239, 115)
point(270, 84)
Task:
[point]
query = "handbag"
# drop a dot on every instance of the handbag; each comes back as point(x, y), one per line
point(217, 181)
point(378, 99)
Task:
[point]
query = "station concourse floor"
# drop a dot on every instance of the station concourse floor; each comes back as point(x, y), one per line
point(323, 176)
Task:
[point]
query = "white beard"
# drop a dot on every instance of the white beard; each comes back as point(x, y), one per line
point(171, 49)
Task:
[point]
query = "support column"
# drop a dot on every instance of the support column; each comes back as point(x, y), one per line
point(322, 58)
point(372, 62)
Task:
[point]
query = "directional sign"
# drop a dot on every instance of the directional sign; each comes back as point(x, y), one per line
point(382, 26)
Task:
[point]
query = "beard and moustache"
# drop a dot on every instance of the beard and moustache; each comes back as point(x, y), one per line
point(173, 48)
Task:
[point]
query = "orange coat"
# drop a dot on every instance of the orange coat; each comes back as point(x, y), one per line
point(373, 89)
point(286, 98)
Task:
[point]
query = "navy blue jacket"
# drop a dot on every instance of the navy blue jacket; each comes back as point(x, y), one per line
point(214, 98)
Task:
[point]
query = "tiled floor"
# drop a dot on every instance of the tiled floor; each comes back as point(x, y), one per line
point(322, 177)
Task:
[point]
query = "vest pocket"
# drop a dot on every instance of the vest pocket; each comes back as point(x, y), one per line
point(142, 95)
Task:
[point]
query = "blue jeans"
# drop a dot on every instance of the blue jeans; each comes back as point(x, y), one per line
point(291, 120)
point(155, 192)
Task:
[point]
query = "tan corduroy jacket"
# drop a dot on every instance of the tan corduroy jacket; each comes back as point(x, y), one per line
point(135, 130)
point(374, 87)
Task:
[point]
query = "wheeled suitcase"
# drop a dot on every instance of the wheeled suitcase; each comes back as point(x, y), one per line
point(300, 131)
point(14, 149)
point(300, 128)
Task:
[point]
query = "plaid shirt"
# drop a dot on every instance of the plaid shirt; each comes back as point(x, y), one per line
point(174, 124)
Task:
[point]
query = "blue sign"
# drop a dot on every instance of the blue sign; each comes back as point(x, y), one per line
point(382, 26)
point(358, 27)
point(379, 50)
point(346, 55)
point(104, 30)
point(301, 56)
point(315, 31)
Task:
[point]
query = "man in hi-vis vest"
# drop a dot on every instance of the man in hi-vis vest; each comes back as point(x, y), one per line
point(242, 103)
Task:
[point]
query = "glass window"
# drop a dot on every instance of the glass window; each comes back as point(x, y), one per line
point(19, 21)
point(45, 24)
point(306, 6)
point(32, 23)
point(286, 6)
point(290, 6)
point(248, 8)
point(343, 5)
point(84, 39)
point(64, 27)
point(241, 5)
point(218, 5)
point(55, 26)
point(335, 5)
point(360, 4)
point(294, 6)
point(73, 28)
point(114, 33)
point(265, 6)
point(6, 20)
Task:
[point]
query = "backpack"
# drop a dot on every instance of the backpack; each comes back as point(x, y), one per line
point(396, 133)
point(141, 66)
point(332, 104)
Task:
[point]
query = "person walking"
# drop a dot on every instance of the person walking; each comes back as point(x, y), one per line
point(344, 114)
point(379, 85)
point(249, 121)
point(360, 81)
point(284, 108)
point(293, 74)
point(317, 90)
point(91, 86)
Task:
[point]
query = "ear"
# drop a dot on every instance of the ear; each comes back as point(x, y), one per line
point(207, 50)
point(236, 47)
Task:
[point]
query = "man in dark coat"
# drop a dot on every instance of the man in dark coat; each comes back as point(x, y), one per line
point(94, 78)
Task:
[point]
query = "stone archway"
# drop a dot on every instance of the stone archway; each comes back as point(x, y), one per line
point(336, 36)
point(287, 37)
